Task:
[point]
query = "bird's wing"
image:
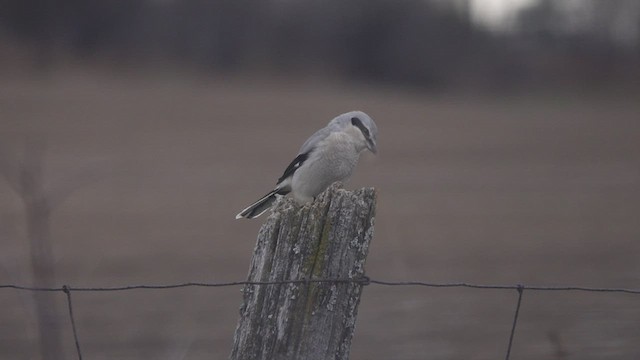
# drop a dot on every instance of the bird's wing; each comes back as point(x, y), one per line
point(304, 153)
point(295, 164)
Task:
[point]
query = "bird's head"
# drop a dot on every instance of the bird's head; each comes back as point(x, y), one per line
point(362, 125)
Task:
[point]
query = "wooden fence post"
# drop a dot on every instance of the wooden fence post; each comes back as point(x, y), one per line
point(312, 320)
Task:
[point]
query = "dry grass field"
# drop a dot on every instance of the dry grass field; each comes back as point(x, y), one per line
point(538, 190)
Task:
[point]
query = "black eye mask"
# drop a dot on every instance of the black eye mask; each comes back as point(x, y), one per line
point(357, 123)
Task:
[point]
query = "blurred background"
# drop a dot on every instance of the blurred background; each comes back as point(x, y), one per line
point(132, 132)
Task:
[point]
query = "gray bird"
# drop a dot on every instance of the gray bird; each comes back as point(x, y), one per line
point(328, 156)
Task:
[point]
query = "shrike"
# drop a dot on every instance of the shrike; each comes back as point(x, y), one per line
point(328, 156)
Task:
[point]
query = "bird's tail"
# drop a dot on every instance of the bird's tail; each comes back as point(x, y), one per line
point(259, 207)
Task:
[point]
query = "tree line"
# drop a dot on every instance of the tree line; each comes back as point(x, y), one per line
point(431, 44)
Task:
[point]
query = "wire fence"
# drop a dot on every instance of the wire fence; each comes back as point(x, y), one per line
point(364, 281)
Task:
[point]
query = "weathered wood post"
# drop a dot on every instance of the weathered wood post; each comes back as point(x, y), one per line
point(328, 239)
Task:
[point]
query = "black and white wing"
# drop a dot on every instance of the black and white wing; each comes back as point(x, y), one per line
point(284, 182)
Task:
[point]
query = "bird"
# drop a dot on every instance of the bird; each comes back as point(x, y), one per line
point(329, 155)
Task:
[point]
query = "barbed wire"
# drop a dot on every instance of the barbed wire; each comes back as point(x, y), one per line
point(362, 280)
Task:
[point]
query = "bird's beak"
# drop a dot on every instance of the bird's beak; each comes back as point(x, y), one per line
point(371, 145)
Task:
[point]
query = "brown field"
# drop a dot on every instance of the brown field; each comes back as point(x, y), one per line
point(496, 190)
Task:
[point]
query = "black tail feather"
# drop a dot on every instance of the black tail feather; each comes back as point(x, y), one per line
point(259, 207)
